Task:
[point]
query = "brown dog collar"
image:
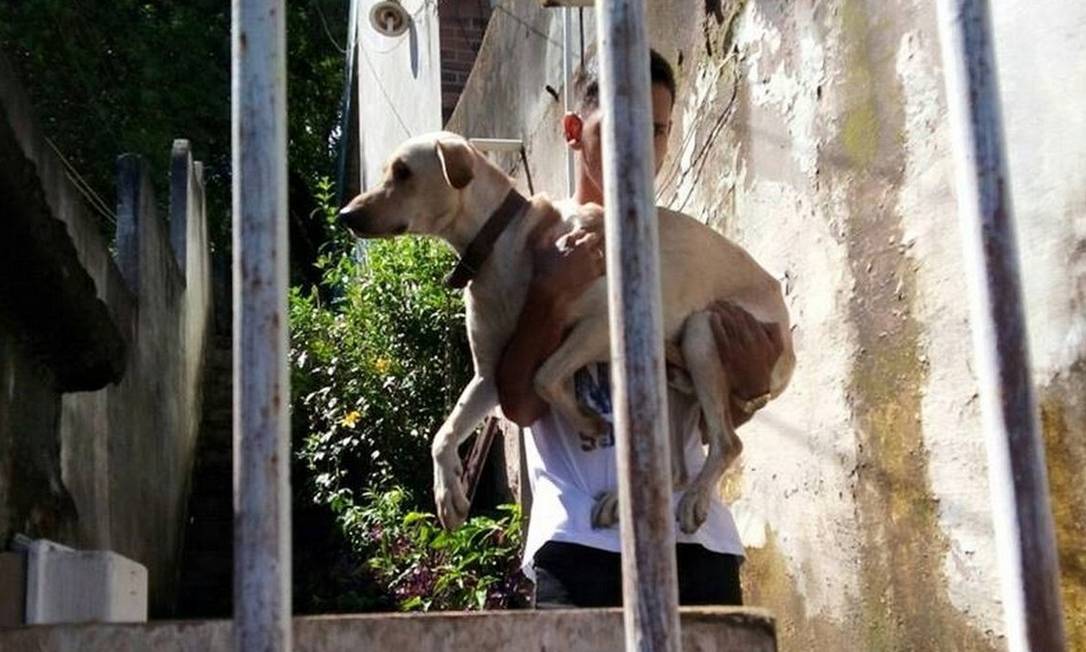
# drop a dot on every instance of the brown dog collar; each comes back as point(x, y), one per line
point(483, 243)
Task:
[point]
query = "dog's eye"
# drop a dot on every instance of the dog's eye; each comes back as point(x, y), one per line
point(400, 172)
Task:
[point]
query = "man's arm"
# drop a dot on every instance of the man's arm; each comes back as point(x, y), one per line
point(562, 271)
point(748, 348)
point(537, 336)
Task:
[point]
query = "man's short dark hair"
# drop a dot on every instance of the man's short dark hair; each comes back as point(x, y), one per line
point(586, 82)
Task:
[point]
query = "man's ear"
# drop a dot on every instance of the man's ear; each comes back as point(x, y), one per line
point(457, 162)
point(572, 126)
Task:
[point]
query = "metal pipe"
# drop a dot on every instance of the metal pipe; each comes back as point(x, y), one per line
point(498, 144)
point(1029, 570)
point(527, 170)
point(567, 86)
point(261, 385)
point(650, 593)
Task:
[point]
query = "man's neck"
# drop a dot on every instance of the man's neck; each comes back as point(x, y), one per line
point(587, 192)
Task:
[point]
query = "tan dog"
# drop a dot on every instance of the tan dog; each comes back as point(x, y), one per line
point(438, 184)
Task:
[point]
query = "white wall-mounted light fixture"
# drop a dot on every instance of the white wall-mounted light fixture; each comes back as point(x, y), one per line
point(389, 18)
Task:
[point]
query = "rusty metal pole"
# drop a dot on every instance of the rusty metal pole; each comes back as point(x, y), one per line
point(1029, 569)
point(649, 588)
point(261, 384)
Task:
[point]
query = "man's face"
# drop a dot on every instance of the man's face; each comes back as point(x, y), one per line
point(590, 143)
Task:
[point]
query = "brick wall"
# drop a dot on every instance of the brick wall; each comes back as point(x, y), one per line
point(463, 23)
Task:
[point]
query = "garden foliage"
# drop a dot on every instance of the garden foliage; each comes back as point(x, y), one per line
point(379, 355)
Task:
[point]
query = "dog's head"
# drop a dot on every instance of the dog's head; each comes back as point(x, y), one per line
point(420, 190)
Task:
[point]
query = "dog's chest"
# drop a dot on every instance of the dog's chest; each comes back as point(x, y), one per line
point(493, 303)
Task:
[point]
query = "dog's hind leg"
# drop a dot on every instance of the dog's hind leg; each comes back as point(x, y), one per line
point(586, 343)
point(680, 475)
point(477, 399)
point(711, 387)
point(605, 507)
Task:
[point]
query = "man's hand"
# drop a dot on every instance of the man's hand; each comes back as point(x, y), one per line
point(748, 350)
point(563, 270)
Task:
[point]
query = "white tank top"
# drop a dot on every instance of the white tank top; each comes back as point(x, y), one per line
point(566, 472)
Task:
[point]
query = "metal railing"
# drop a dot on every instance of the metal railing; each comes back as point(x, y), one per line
point(261, 384)
point(262, 517)
point(1025, 541)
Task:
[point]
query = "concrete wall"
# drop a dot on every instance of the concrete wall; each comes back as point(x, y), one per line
point(399, 83)
point(815, 134)
point(507, 94)
point(113, 451)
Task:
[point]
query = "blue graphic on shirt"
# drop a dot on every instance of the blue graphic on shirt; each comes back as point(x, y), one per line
point(593, 391)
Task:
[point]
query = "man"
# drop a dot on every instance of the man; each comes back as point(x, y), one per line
point(572, 563)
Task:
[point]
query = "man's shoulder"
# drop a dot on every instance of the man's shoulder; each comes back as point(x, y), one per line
point(568, 208)
point(666, 213)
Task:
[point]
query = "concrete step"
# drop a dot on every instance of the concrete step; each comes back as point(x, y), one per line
point(217, 415)
point(215, 471)
point(218, 442)
point(207, 557)
point(703, 629)
point(210, 508)
point(215, 570)
point(210, 513)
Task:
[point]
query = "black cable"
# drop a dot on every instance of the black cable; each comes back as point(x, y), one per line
point(324, 23)
point(580, 23)
point(527, 170)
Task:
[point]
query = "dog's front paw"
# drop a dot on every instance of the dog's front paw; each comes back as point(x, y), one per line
point(605, 511)
point(693, 509)
point(452, 500)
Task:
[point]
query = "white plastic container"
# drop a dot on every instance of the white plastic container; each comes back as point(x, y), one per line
point(72, 586)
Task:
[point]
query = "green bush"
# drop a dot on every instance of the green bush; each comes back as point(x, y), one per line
point(378, 355)
point(427, 568)
point(378, 365)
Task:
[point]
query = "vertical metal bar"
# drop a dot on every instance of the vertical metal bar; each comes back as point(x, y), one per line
point(1016, 470)
point(649, 587)
point(567, 77)
point(261, 385)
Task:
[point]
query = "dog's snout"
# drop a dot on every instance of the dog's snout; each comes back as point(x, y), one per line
point(365, 218)
point(349, 217)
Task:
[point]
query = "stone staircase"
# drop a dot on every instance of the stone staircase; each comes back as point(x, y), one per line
point(207, 556)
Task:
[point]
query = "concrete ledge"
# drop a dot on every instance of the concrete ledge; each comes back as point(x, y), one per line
point(746, 630)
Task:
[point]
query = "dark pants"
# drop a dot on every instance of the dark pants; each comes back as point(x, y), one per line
point(572, 575)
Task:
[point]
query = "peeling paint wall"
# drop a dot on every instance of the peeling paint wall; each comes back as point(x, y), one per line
point(815, 134)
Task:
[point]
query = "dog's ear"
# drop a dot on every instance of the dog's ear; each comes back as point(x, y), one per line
point(457, 162)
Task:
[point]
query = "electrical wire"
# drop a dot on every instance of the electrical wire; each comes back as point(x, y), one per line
point(384, 92)
point(93, 199)
point(324, 23)
point(528, 26)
